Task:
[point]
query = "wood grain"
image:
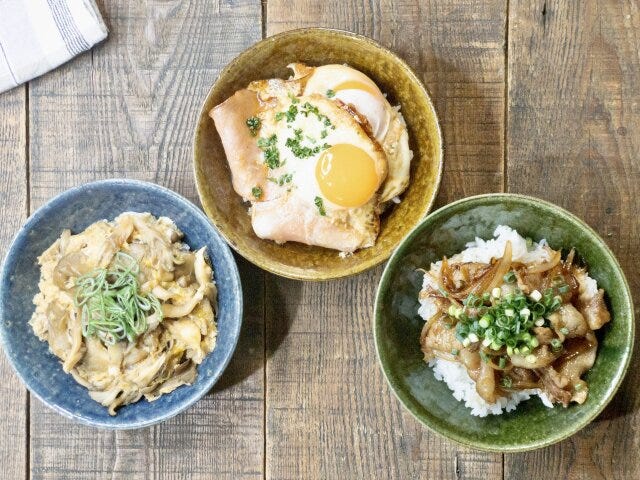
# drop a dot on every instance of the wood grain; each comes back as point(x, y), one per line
point(329, 412)
point(13, 210)
point(574, 138)
point(128, 109)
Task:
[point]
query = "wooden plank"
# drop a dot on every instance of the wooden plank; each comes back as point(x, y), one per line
point(128, 109)
point(573, 123)
point(330, 413)
point(13, 210)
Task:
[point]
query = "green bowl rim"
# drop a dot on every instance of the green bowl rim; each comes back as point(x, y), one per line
point(300, 273)
point(613, 388)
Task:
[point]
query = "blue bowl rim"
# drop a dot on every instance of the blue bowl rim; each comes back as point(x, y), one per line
point(403, 399)
point(224, 251)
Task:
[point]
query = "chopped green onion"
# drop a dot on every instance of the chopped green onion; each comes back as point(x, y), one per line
point(455, 351)
point(535, 296)
point(502, 362)
point(509, 277)
point(331, 93)
point(564, 289)
point(531, 358)
point(111, 306)
point(506, 382)
point(484, 357)
point(564, 331)
point(556, 344)
point(496, 292)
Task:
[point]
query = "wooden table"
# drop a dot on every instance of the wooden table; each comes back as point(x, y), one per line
point(534, 97)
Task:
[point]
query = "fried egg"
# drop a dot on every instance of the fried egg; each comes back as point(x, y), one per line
point(316, 155)
point(386, 123)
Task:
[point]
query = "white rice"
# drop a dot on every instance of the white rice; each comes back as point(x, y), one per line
point(453, 373)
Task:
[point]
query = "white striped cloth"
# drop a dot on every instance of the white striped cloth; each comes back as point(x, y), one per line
point(38, 35)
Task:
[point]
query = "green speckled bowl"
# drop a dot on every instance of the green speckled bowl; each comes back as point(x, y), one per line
point(397, 325)
point(268, 59)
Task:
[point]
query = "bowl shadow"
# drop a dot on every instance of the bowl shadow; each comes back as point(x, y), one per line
point(256, 342)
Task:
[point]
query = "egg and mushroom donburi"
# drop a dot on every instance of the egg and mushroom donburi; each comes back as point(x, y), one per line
point(319, 155)
point(127, 308)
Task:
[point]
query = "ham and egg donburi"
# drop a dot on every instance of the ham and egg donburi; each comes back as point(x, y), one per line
point(318, 155)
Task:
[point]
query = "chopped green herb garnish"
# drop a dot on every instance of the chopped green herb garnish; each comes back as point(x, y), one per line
point(455, 351)
point(285, 178)
point(331, 93)
point(112, 307)
point(506, 382)
point(254, 125)
point(320, 205)
point(293, 98)
point(256, 192)
point(279, 116)
point(308, 108)
point(291, 113)
point(303, 151)
point(270, 150)
point(323, 134)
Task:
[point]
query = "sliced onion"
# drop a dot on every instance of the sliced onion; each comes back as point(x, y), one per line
point(502, 268)
point(547, 265)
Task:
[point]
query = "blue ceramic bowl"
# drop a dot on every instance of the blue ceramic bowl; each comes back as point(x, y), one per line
point(76, 209)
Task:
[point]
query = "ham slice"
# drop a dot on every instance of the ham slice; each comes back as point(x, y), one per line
point(240, 147)
point(288, 219)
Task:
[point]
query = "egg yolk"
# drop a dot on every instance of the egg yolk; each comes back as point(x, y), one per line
point(346, 175)
point(356, 85)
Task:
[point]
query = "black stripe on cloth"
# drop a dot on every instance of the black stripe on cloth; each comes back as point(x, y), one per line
point(73, 40)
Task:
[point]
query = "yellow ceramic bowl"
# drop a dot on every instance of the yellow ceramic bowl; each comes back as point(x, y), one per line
point(268, 59)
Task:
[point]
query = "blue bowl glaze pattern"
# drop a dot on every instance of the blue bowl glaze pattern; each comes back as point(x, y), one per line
point(76, 209)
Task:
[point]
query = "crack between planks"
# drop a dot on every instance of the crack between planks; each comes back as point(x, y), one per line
point(264, 376)
point(264, 18)
point(27, 162)
point(505, 152)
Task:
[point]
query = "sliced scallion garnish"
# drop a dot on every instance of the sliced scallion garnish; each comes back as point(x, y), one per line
point(111, 305)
